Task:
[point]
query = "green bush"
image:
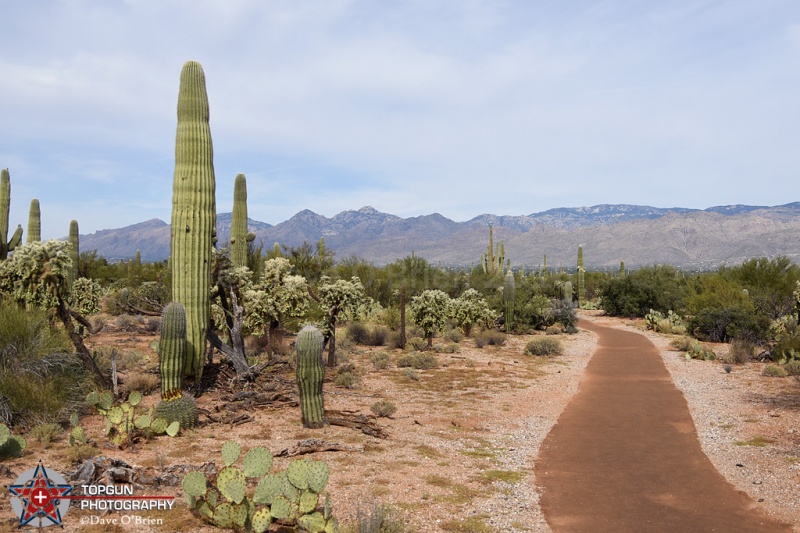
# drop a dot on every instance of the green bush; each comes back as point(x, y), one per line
point(40, 379)
point(411, 374)
point(682, 344)
point(446, 348)
point(357, 332)
point(348, 380)
point(491, 337)
point(380, 518)
point(774, 371)
point(418, 360)
point(740, 351)
point(383, 408)
point(377, 336)
point(793, 367)
point(45, 433)
point(544, 346)
point(380, 360)
point(658, 287)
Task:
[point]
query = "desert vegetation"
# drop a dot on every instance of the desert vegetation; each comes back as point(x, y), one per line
point(233, 321)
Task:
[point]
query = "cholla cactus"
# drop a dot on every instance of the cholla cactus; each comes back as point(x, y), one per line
point(193, 213)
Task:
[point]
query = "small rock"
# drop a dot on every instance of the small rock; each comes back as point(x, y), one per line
point(740, 465)
point(757, 482)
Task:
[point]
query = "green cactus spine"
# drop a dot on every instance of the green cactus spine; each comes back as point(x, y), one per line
point(74, 252)
point(581, 279)
point(193, 214)
point(310, 373)
point(34, 222)
point(7, 245)
point(239, 222)
point(509, 298)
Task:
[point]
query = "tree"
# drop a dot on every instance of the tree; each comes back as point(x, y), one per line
point(275, 297)
point(429, 311)
point(340, 300)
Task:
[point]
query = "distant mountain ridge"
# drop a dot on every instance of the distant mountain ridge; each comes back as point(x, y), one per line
point(638, 235)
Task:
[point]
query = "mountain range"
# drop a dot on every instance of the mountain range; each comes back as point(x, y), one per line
point(638, 235)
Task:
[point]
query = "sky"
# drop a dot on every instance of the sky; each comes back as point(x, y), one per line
point(459, 107)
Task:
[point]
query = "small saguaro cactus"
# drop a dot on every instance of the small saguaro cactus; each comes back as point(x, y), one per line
point(622, 269)
point(509, 298)
point(171, 362)
point(6, 244)
point(239, 235)
point(193, 214)
point(74, 252)
point(310, 373)
point(581, 279)
point(34, 222)
point(566, 291)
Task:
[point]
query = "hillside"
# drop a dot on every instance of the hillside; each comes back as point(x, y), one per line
point(638, 235)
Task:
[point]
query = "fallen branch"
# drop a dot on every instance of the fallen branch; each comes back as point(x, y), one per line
point(352, 419)
point(316, 445)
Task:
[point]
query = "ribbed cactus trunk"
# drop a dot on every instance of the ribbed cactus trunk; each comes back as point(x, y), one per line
point(172, 350)
point(7, 245)
point(193, 214)
point(581, 279)
point(74, 252)
point(310, 374)
point(34, 222)
point(566, 291)
point(622, 269)
point(239, 222)
point(509, 299)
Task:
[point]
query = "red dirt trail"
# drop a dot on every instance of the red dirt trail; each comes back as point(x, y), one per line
point(624, 455)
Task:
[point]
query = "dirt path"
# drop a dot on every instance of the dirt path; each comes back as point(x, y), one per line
point(624, 455)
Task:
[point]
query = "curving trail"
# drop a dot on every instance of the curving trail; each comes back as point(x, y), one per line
point(624, 455)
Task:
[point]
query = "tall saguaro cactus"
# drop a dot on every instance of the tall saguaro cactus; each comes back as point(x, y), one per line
point(239, 235)
point(581, 279)
point(310, 374)
point(494, 257)
point(74, 252)
point(509, 298)
point(193, 213)
point(34, 222)
point(6, 244)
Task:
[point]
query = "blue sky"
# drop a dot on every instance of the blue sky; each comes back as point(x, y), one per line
point(458, 107)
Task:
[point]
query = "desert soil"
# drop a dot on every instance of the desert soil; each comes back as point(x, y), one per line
point(462, 447)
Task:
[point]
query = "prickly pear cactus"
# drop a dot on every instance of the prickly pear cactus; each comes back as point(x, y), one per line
point(310, 374)
point(291, 496)
point(11, 445)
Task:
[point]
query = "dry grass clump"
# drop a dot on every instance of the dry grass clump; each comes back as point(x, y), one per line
point(380, 360)
point(774, 371)
point(491, 337)
point(383, 408)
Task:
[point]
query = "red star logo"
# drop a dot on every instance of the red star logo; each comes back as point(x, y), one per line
point(40, 497)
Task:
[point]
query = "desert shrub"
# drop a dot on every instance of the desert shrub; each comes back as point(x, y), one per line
point(446, 348)
point(417, 344)
point(774, 371)
point(380, 518)
point(788, 346)
point(383, 408)
point(393, 340)
point(39, 379)
point(793, 367)
point(418, 360)
point(769, 283)
point(153, 324)
point(357, 332)
point(479, 340)
point(45, 433)
point(348, 380)
point(555, 329)
point(720, 311)
point(377, 336)
point(564, 313)
point(380, 360)
point(494, 337)
point(453, 335)
point(126, 322)
point(544, 346)
point(740, 351)
point(143, 382)
point(682, 344)
point(126, 359)
point(657, 287)
point(411, 374)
